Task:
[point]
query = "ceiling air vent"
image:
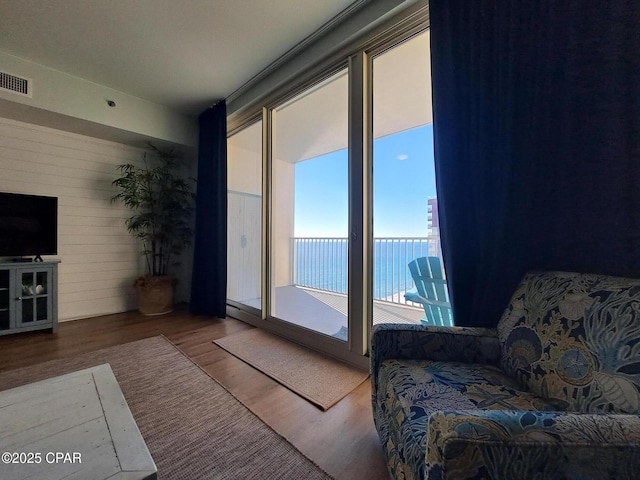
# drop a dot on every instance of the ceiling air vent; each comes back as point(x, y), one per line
point(11, 83)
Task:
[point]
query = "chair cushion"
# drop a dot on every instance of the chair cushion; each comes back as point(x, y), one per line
point(411, 390)
point(575, 338)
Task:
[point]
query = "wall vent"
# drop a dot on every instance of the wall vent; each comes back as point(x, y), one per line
point(14, 84)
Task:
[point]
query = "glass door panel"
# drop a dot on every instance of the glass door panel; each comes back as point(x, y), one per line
point(42, 296)
point(405, 209)
point(34, 295)
point(244, 231)
point(309, 209)
point(42, 283)
point(5, 298)
point(27, 280)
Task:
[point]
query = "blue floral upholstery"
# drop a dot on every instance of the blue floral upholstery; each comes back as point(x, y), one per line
point(503, 444)
point(553, 392)
point(574, 337)
point(415, 389)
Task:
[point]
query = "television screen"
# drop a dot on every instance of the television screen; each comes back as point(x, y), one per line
point(28, 225)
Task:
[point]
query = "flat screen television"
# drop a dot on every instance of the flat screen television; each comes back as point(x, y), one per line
point(28, 225)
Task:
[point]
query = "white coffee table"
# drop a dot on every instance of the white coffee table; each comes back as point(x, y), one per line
point(74, 427)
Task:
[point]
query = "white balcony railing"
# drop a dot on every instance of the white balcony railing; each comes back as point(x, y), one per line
point(321, 263)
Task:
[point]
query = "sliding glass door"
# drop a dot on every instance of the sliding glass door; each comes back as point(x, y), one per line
point(332, 195)
point(309, 209)
point(244, 231)
point(405, 208)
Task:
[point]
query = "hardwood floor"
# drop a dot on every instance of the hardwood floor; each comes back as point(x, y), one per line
point(342, 440)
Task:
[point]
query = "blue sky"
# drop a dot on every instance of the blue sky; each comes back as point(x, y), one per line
point(403, 180)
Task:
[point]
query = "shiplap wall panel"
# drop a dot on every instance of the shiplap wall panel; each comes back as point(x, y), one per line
point(100, 259)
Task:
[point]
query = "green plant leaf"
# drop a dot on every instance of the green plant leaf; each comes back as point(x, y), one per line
point(162, 203)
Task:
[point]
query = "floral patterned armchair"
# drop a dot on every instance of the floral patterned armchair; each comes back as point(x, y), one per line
point(552, 392)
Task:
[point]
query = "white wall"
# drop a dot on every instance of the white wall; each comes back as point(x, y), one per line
point(80, 106)
point(99, 258)
point(283, 204)
point(244, 231)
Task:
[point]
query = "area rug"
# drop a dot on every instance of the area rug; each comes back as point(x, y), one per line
point(321, 380)
point(193, 427)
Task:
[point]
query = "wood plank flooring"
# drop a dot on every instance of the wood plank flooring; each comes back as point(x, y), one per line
point(342, 440)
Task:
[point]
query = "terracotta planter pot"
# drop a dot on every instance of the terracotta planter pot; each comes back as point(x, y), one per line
point(155, 294)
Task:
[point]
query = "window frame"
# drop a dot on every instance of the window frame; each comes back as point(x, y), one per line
point(358, 58)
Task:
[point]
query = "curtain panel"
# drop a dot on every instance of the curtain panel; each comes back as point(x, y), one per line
point(209, 276)
point(537, 143)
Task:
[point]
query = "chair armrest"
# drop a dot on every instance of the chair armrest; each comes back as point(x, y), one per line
point(412, 295)
point(501, 444)
point(428, 342)
point(417, 298)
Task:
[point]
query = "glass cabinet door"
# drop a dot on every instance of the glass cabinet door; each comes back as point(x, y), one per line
point(5, 293)
point(35, 304)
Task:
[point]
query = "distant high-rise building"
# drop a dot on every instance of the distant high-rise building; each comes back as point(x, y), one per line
point(433, 227)
point(433, 222)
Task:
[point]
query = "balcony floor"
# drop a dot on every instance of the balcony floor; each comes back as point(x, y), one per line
point(326, 312)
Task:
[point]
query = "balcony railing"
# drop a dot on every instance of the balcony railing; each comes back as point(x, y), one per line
point(321, 263)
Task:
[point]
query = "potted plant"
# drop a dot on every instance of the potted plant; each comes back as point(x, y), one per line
point(162, 202)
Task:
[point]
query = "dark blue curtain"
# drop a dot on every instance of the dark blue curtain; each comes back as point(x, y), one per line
point(209, 278)
point(537, 139)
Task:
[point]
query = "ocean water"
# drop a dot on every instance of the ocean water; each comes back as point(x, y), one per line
point(322, 264)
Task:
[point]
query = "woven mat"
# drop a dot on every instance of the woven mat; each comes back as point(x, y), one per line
point(193, 427)
point(321, 380)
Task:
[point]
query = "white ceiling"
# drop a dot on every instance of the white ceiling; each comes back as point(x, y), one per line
point(180, 53)
point(316, 122)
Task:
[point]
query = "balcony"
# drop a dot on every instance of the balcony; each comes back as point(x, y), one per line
point(316, 295)
point(321, 264)
point(317, 298)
